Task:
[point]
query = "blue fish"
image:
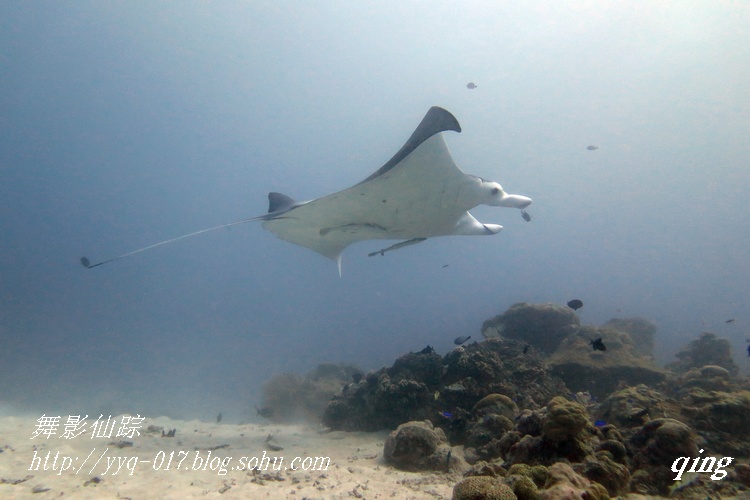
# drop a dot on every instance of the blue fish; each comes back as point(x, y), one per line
point(600, 423)
point(446, 414)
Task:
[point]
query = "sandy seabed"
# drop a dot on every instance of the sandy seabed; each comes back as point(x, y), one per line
point(356, 468)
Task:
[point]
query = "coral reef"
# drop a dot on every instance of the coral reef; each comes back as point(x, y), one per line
point(637, 459)
point(718, 417)
point(482, 488)
point(491, 418)
point(742, 473)
point(526, 481)
point(600, 372)
point(482, 468)
point(564, 421)
point(641, 332)
point(292, 398)
point(655, 447)
point(558, 481)
point(388, 397)
point(707, 378)
point(721, 419)
point(565, 433)
point(538, 473)
point(563, 482)
point(561, 431)
point(707, 349)
point(523, 487)
point(445, 390)
point(505, 406)
point(603, 469)
point(542, 326)
point(416, 446)
point(632, 407)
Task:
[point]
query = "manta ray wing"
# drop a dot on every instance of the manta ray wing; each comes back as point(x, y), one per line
point(416, 194)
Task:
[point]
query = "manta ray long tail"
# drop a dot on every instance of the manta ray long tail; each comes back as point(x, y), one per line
point(87, 263)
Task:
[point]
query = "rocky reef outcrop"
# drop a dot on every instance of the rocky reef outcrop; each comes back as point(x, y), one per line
point(564, 432)
point(416, 446)
point(444, 389)
point(564, 482)
point(556, 333)
point(641, 332)
point(600, 372)
point(540, 409)
point(543, 326)
point(722, 419)
point(522, 482)
point(718, 418)
point(482, 488)
point(708, 349)
point(632, 407)
point(655, 447)
point(293, 398)
point(607, 459)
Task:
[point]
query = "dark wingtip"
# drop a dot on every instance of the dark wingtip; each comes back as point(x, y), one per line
point(86, 262)
point(435, 121)
point(278, 203)
point(440, 119)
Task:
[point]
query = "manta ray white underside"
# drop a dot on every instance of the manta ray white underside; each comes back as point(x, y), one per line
point(420, 193)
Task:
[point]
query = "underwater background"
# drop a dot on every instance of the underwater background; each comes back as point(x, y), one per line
point(124, 124)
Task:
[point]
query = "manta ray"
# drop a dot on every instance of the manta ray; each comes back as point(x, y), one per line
point(419, 193)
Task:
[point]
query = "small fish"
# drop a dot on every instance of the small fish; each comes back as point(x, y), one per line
point(445, 265)
point(437, 395)
point(218, 418)
point(729, 320)
point(575, 304)
point(448, 460)
point(598, 345)
point(264, 412)
point(471, 85)
point(600, 423)
point(461, 340)
point(525, 216)
point(446, 414)
point(455, 387)
point(526, 349)
point(592, 148)
point(427, 350)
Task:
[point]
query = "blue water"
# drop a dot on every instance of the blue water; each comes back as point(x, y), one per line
point(124, 124)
